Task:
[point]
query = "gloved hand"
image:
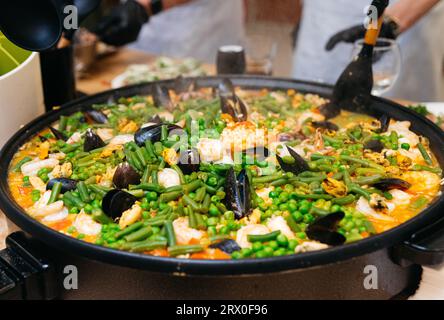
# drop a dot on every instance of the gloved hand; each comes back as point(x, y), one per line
point(123, 24)
point(389, 30)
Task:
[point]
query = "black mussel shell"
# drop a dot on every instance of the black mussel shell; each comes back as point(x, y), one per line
point(67, 184)
point(96, 116)
point(392, 183)
point(153, 133)
point(226, 88)
point(92, 141)
point(238, 194)
point(116, 201)
point(324, 229)
point(230, 103)
point(183, 85)
point(58, 134)
point(162, 98)
point(189, 161)
point(228, 246)
point(325, 125)
point(374, 145)
point(125, 175)
point(330, 110)
point(299, 165)
point(385, 122)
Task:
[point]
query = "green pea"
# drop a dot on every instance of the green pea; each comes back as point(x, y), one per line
point(301, 235)
point(280, 252)
point(308, 218)
point(273, 244)
point(261, 254)
point(292, 244)
point(236, 255)
point(229, 215)
point(246, 252)
point(292, 207)
point(273, 194)
point(297, 216)
point(282, 240)
point(151, 196)
point(81, 236)
point(268, 251)
point(74, 210)
point(283, 207)
point(405, 146)
point(257, 246)
point(212, 221)
point(213, 211)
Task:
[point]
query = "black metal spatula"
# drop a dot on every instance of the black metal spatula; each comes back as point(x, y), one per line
point(355, 84)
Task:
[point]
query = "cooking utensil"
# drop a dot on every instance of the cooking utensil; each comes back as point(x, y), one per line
point(390, 251)
point(31, 25)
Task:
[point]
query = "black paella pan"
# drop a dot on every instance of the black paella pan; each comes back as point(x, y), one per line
point(417, 241)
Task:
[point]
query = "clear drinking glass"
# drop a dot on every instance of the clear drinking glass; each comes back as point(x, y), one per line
point(261, 52)
point(386, 64)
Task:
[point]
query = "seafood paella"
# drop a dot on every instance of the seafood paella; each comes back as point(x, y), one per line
point(223, 173)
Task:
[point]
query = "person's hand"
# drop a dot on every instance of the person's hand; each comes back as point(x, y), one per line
point(351, 35)
point(123, 24)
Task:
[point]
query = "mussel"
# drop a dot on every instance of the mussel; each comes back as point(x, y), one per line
point(325, 125)
point(154, 132)
point(58, 134)
point(227, 245)
point(238, 193)
point(116, 201)
point(299, 165)
point(258, 153)
point(189, 161)
point(184, 85)
point(231, 103)
point(92, 141)
point(392, 183)
point(162, 98)
point(96, 116)
point(125, 175)
point(67, 184)
point(324, 229)
point(385, 122)
point(330, 110)
point(374, 145)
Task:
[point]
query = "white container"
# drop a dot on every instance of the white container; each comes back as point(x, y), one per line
point(21, 97)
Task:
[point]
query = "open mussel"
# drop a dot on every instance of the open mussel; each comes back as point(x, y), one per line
point(392, 183)
point(231, 103)
point(92, 141)
point(324, 229)
point(67, 184)
point(58, 134)
point(125, 175)
point(184, 85)
point(189, 161)
point(162, 98)
point(325, 125)
point(96, 116)
point(227, 245)
point(374, 145)
point(238, 194)
point(330, 110)
point(154, 132)
point(385, 122)
point(298, 166)
point(116, 201)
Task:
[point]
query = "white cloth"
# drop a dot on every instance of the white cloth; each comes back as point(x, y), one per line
point(422, 48)
point(196, 29)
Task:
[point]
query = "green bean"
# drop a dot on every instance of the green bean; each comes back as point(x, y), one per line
point(163, 133)
point(146, 175)
point(192, 221)
point(292, 224)
point(337, 176)
point(263, 237)
point(158, 148)
point(279, 182)
point(364, 171)
point(154, 178)
point(101, 190)
point(200, 194)
point(139, 154)
point(19, 164)
point(170, 196)
point(319, 211)
point(86, 158)
point(425, 154)
point(317, 156)
point(86, 164)
point(344, 200)
point(176, 168)
point(190, 202)
point(147, 187)
point(139, 235)
point(62, 123)
point(149, 149)
point(368, 180)
point(171, 237)
point(155, 222)
point(173, 188)
point(69, 197)
point(219, 237)
point(206, 204)
point(418, 167)
point(192, 186)
point(360, 191)
point(138, 193)
point(365, 163)
point(99, 216)
point(180, 250)
point(130, 229)
point(200, 222)
point(312, 179)
point(148, 245)
point(56, 188)
point(312, 196)
point(135, 159)
point(266, 179)
point(70, 147)
point(347, 179)
point(83, 191)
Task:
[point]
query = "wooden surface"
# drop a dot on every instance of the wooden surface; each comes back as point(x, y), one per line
point(107, 68)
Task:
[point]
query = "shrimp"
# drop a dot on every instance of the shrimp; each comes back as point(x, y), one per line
point(423, 182)
point(168, 178)
point(37, 183)
point(51, 212)
point(86, 225)
point(278, 223)
point(130, 216)
point(74, 138)
point(31, 168)
point(405, 135)
point(105, 133)
point(121, 139)
point(310, 246)
point(242, 234)
point(210, 149)
point(184, 234)
point(364, 207)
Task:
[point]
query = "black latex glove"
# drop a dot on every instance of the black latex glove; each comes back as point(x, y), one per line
point(123, 24)
point(351, 35)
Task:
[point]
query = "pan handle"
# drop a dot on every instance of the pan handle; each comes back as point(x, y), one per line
point(425, 247)
point(25, 272)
